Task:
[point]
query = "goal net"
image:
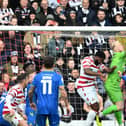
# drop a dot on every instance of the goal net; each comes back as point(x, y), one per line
point(69, 46)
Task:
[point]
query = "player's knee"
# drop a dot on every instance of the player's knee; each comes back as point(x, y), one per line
point(120, 107)
point(95, 107)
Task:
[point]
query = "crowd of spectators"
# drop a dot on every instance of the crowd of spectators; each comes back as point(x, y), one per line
point(19, 49)
point(64, 12)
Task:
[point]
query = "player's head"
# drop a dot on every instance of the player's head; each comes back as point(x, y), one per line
point(99, 57)
point(29, 65)
point(48, 62)
point(23, 79)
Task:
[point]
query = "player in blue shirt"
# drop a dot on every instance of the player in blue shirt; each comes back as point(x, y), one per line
point(47, 84)
point(2, 99)
point(31, 113)
point(122, 76)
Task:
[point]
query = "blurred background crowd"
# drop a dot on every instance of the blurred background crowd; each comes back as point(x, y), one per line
point(63, 12)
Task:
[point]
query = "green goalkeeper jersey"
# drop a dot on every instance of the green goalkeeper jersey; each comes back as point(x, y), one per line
point(112, 84)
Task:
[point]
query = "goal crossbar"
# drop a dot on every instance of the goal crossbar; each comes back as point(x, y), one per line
point(62, 28)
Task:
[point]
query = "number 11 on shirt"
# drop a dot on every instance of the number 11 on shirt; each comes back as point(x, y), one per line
point(47, 86)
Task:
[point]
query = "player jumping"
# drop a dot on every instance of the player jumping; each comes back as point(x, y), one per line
point(90, 69)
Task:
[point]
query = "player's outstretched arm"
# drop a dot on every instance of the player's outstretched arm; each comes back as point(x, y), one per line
point(30, 93)
point(88, 71)
point(110, 70)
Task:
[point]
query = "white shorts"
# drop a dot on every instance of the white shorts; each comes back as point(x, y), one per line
point(88, 94)
point(14, 120)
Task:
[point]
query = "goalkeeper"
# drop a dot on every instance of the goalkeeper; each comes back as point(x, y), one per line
point(112, 83)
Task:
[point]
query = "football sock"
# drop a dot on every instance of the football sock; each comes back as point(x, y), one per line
point(118, 116)
point(90, 117)
point(109, 110)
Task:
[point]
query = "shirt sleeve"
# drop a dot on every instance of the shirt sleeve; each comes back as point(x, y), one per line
point(102, 67)
point(86, 63)
point(8, 100)
point(61, 81)
point(12, 92)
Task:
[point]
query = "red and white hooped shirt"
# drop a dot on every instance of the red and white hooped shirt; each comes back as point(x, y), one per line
point(14, 99)
point(88, 80)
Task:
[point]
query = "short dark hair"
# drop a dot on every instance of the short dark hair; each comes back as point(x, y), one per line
point(100, 54)
point(101, 9)
point(22, 77)
point(27, 64)
point(71, 81)
point(48, 62)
